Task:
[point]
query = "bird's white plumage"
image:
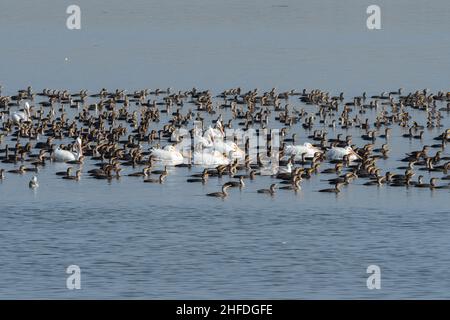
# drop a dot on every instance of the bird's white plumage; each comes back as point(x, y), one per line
point(337, 153)
point(61, 155)
point(229, 148)
point(169, 154)
point(307, 148)
point(20, 116)
point(210, 158)
point(213, 133)
point(33, 183)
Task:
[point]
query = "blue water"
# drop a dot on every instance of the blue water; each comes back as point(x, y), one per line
point(135, 240)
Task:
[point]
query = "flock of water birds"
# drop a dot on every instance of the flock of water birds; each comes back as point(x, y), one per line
point(139, 134)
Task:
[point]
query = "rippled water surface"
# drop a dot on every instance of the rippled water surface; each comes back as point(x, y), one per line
point(135, 240)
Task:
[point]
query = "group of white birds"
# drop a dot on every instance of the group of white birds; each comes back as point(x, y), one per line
point(308, 150)
point(210, 149)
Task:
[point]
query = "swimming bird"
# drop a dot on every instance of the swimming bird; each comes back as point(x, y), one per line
point(33, 183)
point(378, 182)
point(386, 134)
point(200, 175)
point(307, 148)
point(405, 181)
point(431, 185)
point(337, 153)
point(337, 168)
point(65, 173)
point(76, 177)
point(165, 171)
point(203, 179)
point(270, 191)
point(160, 180)
point(143, 173)
point(168, 154)
point(209, 157)
point(344, 179)
point(229, 148)
point(250, 176)
point(287, 169)
point(62, 155)
point(222, 194)
point(21, 170)
point(336, 189)
point(239, 183)
point(21, 116)
point(295, 184)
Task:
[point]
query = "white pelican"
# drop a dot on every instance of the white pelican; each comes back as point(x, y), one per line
point(269, 169)
point(210, 158)
point(61, 155)
point(179, 134)
point(337, 153)
point(287, 169)
point(230, 148)
point(298, 150)
point(167, 154)
point(201, 141)
point(33, 183)
point(213, 133)
point(20, 116)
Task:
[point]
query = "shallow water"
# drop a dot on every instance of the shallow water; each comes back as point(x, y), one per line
point(135, 240)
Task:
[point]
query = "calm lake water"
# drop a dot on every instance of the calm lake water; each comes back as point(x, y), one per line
point(135, 240)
